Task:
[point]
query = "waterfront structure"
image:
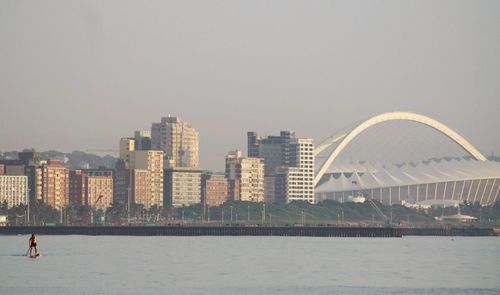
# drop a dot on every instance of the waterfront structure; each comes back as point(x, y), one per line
point(13, 190)
point(182, 187)
point(246, 177)
point(178, 140)
point(152, 162)
point(2, 169)
point(289, 166)
point(214, 189)
point(142, 140)
point(55, 184)
point(473, 178)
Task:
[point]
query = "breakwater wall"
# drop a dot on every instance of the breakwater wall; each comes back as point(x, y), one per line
point(450, 231)
point(307, 231)
point(385, 232)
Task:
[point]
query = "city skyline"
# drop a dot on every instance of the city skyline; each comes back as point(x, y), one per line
point(250, 147)
point(436, 59)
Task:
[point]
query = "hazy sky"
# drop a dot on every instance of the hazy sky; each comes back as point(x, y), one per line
point(82, 74)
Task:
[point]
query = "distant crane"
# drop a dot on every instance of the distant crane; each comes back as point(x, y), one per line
point(94, 209)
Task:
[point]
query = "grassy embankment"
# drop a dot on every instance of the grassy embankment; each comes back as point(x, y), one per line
point(298, 213)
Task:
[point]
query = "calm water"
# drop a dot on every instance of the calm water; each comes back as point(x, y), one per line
point(250, 265)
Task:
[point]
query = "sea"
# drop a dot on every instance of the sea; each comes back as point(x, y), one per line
point(250, 265)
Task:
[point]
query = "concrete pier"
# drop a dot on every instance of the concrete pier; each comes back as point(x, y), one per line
point(385, 232)
point(450, 231)
point(282, 231)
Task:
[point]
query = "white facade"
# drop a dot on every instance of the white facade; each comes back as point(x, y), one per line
point(250, 174)
point(300, 179)
point(289, 166)
point(152, 161)
point(445, 180)
point(183, 187)
point(178, 140)
point(14, 190)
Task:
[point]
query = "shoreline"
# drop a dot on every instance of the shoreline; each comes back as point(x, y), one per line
point(302, 231)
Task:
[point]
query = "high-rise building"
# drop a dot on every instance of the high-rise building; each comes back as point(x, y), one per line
point(182, 187)
point(55, 184)
point(245, 176)
point(214, 189)
point(127, 145)
point(142, 140)
point(14, 170)
point(122, 183)
point(253, 144)
point(140, 192)
point(233, 189)
point(289, 166)
point(178, 140)
point(91, 187)
point(152, 162)
point(99, 188)
point(77, 188)
point(13, 190)
point(26, 164)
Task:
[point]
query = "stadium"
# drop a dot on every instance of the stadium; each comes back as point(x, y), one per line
point(402, 156)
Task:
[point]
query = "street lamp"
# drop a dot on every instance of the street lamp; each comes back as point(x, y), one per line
point(28, 202)
point(128, 205)
point(263, 213)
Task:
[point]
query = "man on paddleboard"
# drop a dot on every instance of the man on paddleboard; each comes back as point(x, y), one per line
point(32, 245)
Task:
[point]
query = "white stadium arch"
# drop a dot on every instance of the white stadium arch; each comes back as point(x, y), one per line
point(343, 139)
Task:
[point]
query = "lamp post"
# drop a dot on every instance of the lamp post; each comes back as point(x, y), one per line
point(263, 213)
point(128, 205)
point(28, 202)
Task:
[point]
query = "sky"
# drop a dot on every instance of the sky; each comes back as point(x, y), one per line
point(79, 75)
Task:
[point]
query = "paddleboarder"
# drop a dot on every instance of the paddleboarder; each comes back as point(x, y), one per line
point(32, 245)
